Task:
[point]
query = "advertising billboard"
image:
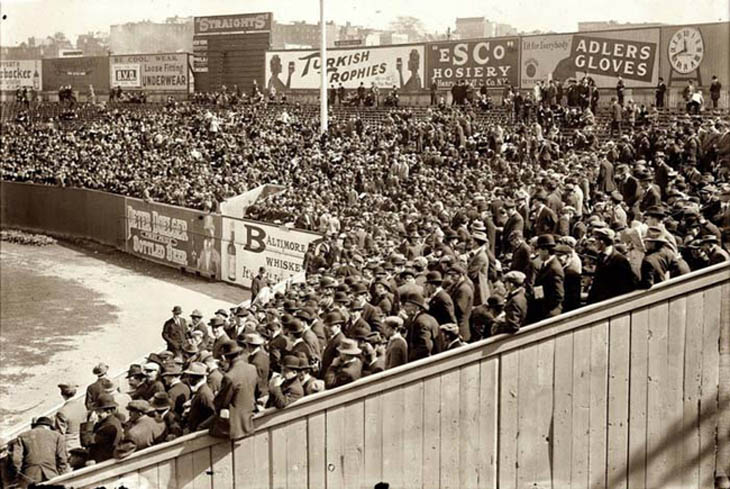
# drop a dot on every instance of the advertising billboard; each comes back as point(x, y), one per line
point(77, 72)
point(232, 24)
point(491, 61)
point(16, 74)
point(125, 75)
point(695, 52)
point(400, 66)
point(248, 245)
point(151, 72)
point(173, 236)
point(604, 56)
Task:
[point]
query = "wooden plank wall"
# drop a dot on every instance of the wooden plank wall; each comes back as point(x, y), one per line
point(628, 401)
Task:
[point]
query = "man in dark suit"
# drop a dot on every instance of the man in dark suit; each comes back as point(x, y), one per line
point(613, 275)
point(462, 294)
point(652, 196)
point(333, 322)
point(108, 431)
point(545, 221)
point(422, 330)
point(178, 392)
point(440, 305)
point(217, 325)
point(606, 182)
point(715, 254)
point(202, 402)
point(521, 255)
point(93, 391)
point(174, 330)
point(259, 282)
point(547, 293)
point(287, 388)
point(256, 356)
point(236, 400)
point(630, 189)
point(39, 454)
point(515, 222)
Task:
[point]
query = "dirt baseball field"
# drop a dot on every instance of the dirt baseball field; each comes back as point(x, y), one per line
point(67, 307)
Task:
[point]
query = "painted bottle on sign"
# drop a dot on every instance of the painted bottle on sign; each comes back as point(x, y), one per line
point(232, 258)
point(36, 80)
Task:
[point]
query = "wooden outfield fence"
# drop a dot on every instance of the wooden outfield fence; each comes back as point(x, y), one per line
point(631, 393)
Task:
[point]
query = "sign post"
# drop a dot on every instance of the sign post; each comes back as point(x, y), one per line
point(323, 69)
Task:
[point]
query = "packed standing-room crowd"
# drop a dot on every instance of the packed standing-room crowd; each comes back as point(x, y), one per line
point(440, 228)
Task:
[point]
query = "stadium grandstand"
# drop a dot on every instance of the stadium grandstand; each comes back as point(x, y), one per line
point(496, 267)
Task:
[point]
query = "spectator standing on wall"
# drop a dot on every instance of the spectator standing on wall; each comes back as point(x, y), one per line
point(259, 282)
point(660, 91)
point(620, 90)
point(715, 88)
point(434, 91)
point(687, 93)
point(616, 116)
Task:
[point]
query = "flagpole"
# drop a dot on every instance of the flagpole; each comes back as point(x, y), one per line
point(323, 66)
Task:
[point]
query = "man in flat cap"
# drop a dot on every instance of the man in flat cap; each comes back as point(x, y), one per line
point(140, 429)
point(396, 350)
point(39, 454)
point(451, 339)
point(515, 308)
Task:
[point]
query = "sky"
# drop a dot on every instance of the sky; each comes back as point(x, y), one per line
point(40, 18)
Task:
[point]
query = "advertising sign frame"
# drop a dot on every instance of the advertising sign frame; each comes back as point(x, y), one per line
point(255, 244)
point(495, 61)
point(173, 236)
point(386, 66)
point(602, 55)
point(20, 73)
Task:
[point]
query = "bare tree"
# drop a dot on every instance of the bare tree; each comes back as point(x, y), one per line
point(411, 26)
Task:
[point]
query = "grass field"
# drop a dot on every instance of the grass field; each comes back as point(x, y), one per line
point(66, 307)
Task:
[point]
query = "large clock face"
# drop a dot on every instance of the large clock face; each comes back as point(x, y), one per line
point(686, 49)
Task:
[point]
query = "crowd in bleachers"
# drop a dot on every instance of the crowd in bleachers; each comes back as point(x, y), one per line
point(441, 227)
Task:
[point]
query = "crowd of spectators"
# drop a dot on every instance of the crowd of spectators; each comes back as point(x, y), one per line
point(440, 228)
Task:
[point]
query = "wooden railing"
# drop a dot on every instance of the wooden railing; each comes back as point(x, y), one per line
point(630, 393)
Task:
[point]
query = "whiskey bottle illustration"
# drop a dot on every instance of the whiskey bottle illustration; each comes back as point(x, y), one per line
point(232, 258)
